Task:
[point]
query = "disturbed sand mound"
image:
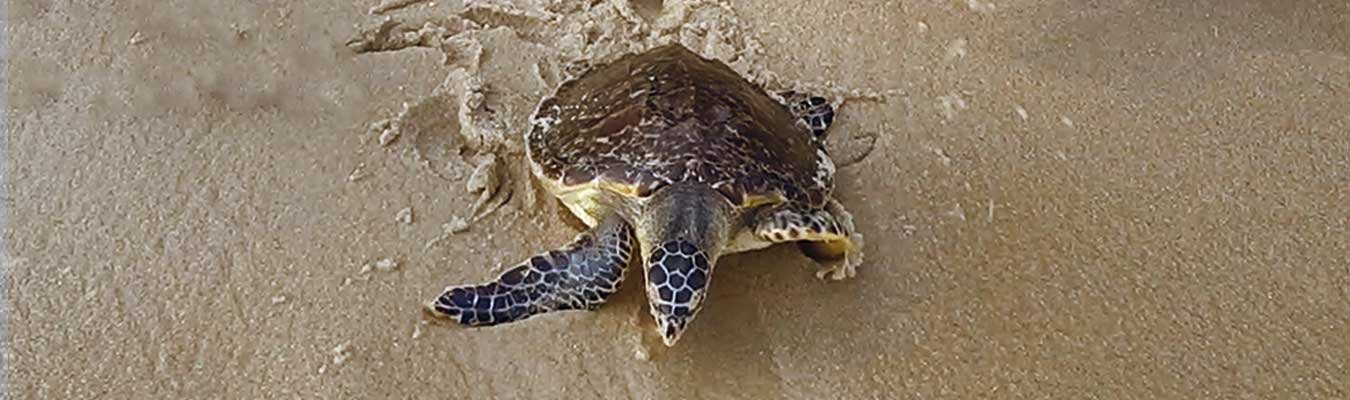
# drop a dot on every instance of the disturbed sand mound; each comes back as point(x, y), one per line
point(502, 58)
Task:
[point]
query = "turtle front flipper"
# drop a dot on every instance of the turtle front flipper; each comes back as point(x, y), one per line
point(826, 235)
point(813, 111)
point(579, 276)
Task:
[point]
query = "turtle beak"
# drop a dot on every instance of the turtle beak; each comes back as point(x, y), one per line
point(670, 328)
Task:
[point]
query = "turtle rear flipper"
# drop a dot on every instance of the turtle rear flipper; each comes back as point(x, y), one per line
point(826, 235)
point(579, 276)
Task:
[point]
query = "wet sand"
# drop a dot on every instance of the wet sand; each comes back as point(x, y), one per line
point(1137, 199)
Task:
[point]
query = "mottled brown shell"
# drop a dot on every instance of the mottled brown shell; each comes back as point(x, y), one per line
point(669, 115)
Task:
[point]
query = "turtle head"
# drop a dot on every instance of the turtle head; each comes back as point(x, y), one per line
point(684, 230)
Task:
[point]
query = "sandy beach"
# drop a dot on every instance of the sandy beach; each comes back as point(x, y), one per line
point(1060, 199)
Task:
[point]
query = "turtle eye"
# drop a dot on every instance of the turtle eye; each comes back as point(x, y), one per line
point(648, 187)
point(732, 192)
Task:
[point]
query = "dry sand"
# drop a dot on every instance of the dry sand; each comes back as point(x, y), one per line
point(1114, 199)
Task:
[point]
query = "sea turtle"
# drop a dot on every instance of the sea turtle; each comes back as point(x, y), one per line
point(682, 160)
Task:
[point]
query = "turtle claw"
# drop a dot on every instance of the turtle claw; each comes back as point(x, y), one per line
point(841, 270)
point(840, 257)
point(440, 318)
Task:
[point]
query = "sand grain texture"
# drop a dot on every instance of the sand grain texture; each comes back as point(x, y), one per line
point(1133, 199)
